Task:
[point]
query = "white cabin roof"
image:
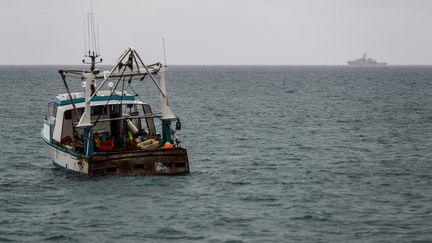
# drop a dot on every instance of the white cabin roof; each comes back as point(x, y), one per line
point(100, 99)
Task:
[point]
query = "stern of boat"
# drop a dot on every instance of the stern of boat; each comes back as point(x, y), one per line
point(140, 162)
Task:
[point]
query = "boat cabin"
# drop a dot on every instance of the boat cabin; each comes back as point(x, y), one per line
point(120, 122)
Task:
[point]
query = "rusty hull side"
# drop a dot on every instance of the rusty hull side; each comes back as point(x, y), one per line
point(141, 162)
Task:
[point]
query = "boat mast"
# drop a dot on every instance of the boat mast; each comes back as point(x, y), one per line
point(92, 41)
point(166, 111)
point(90, 81)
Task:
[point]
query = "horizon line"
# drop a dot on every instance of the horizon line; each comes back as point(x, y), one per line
point(343, 65)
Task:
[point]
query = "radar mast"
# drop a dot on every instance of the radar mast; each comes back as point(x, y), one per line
point(91, 40)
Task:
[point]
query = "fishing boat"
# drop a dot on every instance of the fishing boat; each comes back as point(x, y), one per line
point(107, 128)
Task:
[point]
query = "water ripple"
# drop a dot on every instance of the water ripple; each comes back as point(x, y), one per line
point(278, 154)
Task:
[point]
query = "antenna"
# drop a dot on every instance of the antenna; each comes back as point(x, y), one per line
point(91, 40)
point(163, 44)
point(88, 34)
point(98, 38)
point(85, 38)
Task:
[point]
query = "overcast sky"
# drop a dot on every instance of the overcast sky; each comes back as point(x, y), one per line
point(205, 32)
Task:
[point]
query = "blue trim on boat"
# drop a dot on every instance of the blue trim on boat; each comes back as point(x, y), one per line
point(59, 147)
point(63, 169)
point(96, 98)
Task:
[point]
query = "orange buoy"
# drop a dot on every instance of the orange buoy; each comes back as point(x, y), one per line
point(168, 145)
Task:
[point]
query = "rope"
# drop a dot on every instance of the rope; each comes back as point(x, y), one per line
point(136, 93)
point(118, 81)
point(122, 93)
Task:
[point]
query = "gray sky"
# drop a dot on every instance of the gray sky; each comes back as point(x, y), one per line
point(291, 32)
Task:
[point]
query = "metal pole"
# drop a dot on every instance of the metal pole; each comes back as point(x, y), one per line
point(112, 71)
point(69, 93)
point(151, 76)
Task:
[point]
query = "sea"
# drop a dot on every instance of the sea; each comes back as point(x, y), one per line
point(277, 154)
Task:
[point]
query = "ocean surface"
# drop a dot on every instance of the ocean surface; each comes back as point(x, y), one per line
point(277, 154)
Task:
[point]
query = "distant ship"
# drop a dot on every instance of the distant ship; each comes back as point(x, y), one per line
point(366, 62)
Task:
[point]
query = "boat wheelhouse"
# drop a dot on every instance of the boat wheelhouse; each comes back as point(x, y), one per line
point(111, 131)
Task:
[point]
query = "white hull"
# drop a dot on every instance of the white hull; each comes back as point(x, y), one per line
point(61, 159)
point(68, 162)
point(135, 162)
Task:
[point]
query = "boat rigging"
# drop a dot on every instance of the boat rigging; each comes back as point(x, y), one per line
point(104, 129)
